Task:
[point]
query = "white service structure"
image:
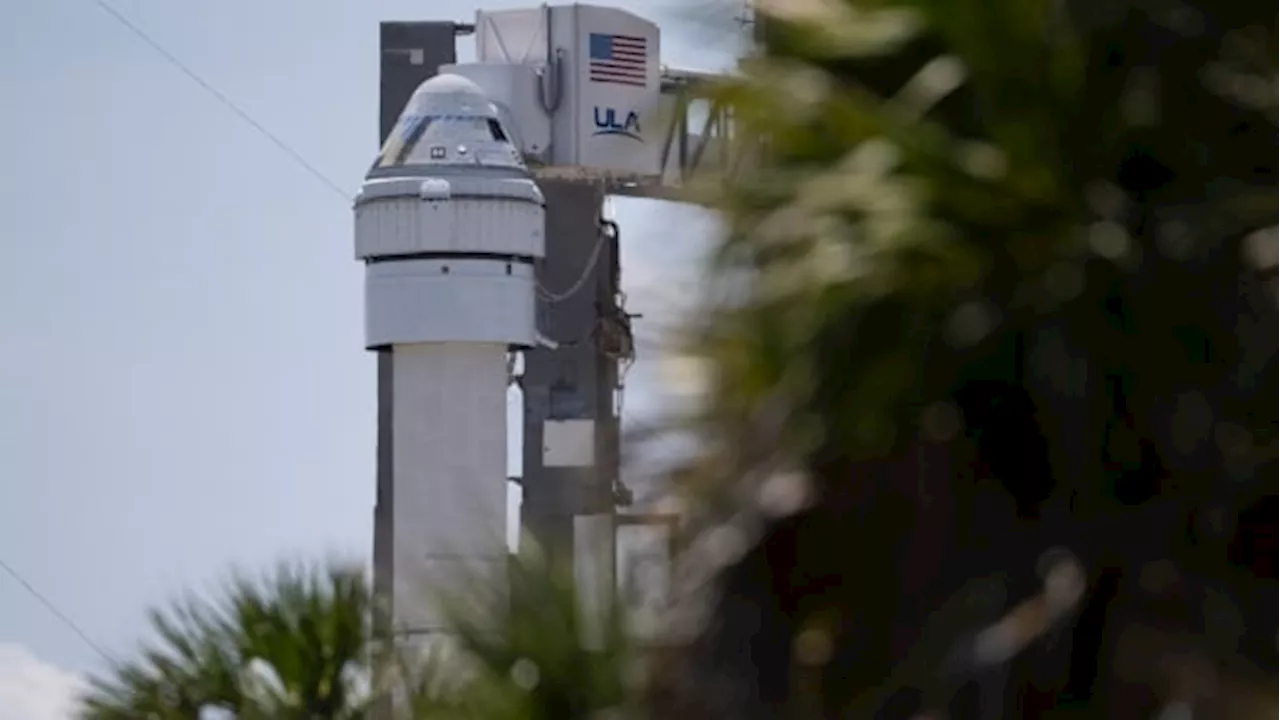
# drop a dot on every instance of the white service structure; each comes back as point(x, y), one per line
point(581, 84)
point(448, 224)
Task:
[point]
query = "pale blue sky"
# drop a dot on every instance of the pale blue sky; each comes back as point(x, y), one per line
point(182, 386)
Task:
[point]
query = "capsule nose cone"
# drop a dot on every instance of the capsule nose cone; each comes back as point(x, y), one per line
point(449, 84)
point(449, 94)
point(449, 122)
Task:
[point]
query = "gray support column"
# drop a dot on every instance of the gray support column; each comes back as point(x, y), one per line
point(384, 498)
point(575, 381)
point(410, 53)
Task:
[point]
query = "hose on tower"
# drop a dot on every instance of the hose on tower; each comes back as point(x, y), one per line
point(613, 334)
point(551, 80)
point(612, 329)
point(606, 227)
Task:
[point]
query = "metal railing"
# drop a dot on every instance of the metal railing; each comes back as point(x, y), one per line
point(699, 136)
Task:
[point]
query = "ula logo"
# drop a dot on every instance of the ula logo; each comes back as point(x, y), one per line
point(607, 123)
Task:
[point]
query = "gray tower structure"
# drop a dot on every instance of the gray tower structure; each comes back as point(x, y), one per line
point(575, 382)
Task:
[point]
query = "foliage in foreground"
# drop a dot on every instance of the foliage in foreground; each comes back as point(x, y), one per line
point(299, 643)
point(290, 645)
point(999, 278)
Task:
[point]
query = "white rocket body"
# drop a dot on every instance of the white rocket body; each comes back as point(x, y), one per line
point(449, 224)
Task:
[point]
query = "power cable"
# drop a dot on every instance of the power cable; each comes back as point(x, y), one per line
point(592, 260)
point(48, 604)
point(275, 140)
point(195, 77)
point(547, 295)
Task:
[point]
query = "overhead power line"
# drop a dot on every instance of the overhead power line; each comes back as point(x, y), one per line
point(195, 77)
point(294, 154)
point(48, 604)
point(275, 140)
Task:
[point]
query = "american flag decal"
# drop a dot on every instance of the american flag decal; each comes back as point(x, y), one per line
point(618, 59)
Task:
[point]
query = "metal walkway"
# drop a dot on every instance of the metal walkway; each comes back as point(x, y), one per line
point(699, 137)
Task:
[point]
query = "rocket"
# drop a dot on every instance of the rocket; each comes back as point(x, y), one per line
point(449, 223)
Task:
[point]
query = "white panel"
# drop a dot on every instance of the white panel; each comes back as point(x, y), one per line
point(564, 122)
point(568, 443)
point(449, 464)
point(514, 88)
point(511, 36)
point(593, 575)
point(392, 226)
point(412, 301)
point(618, 119)
point(405, 226)
point(602, 129)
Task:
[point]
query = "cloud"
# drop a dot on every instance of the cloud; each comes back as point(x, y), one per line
point(31, 689)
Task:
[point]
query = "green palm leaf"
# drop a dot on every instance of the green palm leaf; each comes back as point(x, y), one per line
point(291, 644)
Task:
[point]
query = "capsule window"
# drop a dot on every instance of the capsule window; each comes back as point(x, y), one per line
point(411, 139)
point(495, 129)
point(400, 144)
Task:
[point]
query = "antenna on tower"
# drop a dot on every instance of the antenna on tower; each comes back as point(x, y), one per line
point(746, 19)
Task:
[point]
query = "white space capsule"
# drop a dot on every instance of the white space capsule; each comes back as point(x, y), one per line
point(449, 223)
